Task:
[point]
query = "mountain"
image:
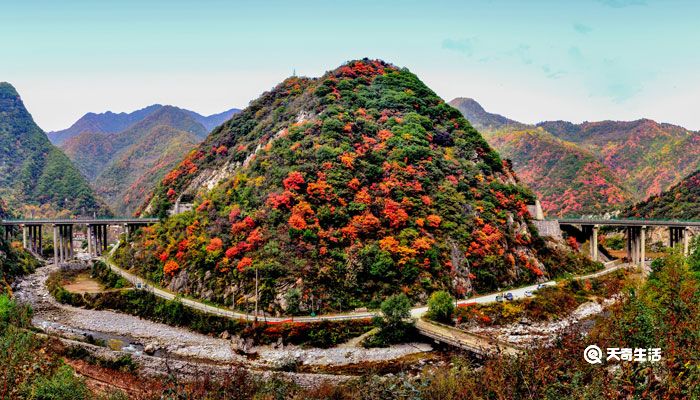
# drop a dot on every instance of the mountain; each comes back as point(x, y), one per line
point(212, 121)
point(103, 123)
point(479, 118)
point(110, 123)
point(144, 154)
point(128, 153)
point(593, 167)
point(651, 156)
point(567, 178)
point(343, 189)
point(122, 165)
point(32, 170)
point(681, 201)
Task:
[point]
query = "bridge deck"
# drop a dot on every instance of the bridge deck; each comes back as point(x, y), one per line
point(627, 222)
point(79, 221)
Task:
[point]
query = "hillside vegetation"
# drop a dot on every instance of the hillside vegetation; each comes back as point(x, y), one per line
point(340, 191)
point(579, 168)
point(124, 166)
point(32, 171)
point(682, 201)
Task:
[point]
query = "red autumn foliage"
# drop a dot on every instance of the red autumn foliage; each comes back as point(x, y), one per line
point(276, 200)
point(205, 205)
point(238, 227)
point(354, 183)
point(363, 197)
point(215, 244)
point(434, 220)
point(293, 181)
point(237, 250)
point(171, 267)
point(296, 221)
point(320, 190)
point(244, 263)
point(397, 216)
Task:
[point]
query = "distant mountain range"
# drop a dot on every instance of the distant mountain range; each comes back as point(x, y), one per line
point(33, 172)
point(592, 167)
point(123, 155)
point(109, 122)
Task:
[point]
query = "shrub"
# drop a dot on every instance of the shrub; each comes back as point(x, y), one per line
point(441, 307)
point(62, 385)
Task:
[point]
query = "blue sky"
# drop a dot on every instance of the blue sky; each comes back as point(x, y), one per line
point(531, 61)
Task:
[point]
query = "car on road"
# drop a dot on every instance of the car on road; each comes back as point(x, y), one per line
point(509, 296)
point(499, 298)
point(528, 293)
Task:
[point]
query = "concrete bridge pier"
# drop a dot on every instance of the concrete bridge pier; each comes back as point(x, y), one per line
point(24, 236)
point(90, 239)
point(591, 232)
point(677, 235)
point(61, 244)
point(93, 240)
point(635, 244)
point(55, 244)
point(104, 238)
point(128, 231)
point(97, 239)
point(9, 232)
point(32, 238)
point(643, 245)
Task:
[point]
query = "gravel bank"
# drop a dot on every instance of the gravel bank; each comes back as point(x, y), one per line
point(72, 323)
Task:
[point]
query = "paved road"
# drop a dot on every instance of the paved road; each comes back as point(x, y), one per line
point(443, 333)
point(416, 312)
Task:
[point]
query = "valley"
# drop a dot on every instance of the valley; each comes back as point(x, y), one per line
point(347, 230)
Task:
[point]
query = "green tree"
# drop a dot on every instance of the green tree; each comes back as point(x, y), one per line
point(441, 307)
point(395, 310)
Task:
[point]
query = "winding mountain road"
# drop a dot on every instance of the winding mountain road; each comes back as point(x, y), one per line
point(416, 312)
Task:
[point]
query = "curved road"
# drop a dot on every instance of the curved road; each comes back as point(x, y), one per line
point(416, 312)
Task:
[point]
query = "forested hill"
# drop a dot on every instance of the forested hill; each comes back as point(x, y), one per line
point(592, 167)
point(682, 201)
point(568, 178)
point(345, 188)
point(124, 166)
point(33, 172)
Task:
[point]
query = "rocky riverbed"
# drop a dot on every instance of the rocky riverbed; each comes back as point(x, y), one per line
point(139, 336)
point(526, 333)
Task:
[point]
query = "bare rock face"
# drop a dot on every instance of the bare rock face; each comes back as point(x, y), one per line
point(460, 280)
point(179, 282)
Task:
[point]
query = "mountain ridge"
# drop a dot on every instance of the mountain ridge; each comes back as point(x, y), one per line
point(349, 187)
point(114, 162)
point(108, 122)
point(33, 172)
point(599, 152)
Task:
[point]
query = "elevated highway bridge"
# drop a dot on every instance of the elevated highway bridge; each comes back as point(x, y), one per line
point(63, 237)
point(679, 232)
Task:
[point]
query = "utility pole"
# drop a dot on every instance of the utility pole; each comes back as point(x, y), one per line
point(256, 294)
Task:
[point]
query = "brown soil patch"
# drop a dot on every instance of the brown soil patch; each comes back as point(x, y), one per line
point(83, 283)
point(104, 380)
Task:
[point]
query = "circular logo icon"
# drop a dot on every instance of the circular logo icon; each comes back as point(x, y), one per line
point(593, 354)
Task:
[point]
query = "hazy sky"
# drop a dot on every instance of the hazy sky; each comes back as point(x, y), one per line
point(531, 61)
